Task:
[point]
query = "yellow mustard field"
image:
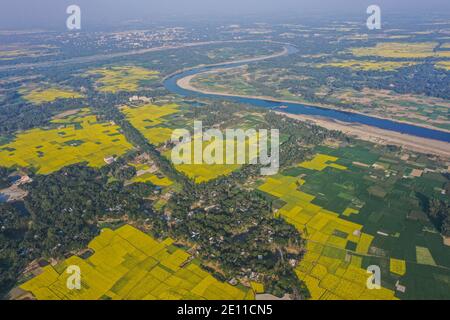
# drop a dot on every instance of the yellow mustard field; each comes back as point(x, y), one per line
point(320, 162)
point(121, 78)
point(397, 266)
point(74, 139)
point(367, 65)
point(39, 96)
point(149, 120)
point(443, 65)
point(203, 172)
point(129, 264)
point(412, 50)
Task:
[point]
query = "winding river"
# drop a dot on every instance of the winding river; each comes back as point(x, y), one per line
point(171, 84)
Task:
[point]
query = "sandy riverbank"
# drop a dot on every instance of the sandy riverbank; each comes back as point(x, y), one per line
point(380, 136)
point(281, 53)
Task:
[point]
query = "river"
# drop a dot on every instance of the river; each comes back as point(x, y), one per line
point(298, 108)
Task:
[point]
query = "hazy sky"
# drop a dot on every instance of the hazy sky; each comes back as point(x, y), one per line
point(51, 13)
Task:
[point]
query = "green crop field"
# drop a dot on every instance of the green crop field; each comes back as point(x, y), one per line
point(349, 227)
